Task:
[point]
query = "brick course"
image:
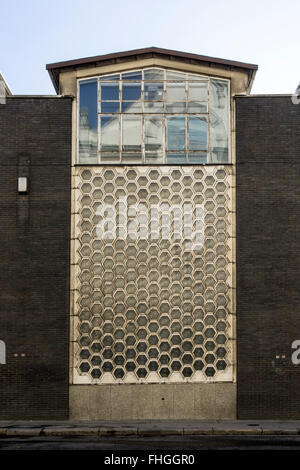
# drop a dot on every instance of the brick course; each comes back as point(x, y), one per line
point(35, 136)
point(268, 256)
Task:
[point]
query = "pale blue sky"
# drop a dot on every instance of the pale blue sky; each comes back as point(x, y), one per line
point(36, 32)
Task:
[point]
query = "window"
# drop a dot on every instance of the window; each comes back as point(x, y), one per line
point(153, 116)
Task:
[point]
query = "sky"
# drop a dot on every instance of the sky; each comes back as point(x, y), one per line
point(36, 32)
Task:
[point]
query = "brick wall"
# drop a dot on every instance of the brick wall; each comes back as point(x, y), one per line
point(268, 256)
point(35, 140)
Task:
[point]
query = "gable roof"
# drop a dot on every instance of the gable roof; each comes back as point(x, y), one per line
point(55, 69)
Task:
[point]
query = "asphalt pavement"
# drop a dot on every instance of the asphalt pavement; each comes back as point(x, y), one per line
point(150, 437)
point(156, 445)
point(147, 428)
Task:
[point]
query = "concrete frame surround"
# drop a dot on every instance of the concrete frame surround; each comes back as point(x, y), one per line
point(185, 400)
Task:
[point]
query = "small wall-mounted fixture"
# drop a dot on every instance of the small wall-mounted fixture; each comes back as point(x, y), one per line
point(23, 184)
point(2, 352)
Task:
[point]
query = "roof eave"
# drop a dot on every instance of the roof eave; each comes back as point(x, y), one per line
point(54, 69)
point(149, 50)
point(6, 87)
point(251, 80)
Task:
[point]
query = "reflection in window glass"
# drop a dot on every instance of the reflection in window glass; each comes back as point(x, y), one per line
point(196, 107)
point(131, 157)
point(176, 158)
point(109, 91)
point(88, 102)
point(153, 91)
point(131, 107)
point(176, 133)
point(110, 77)
point(192, 77)
point(132, 133)
point(154, 107)
point(175, 91)
point(107, 157)
point(131, 91)
point(137, 76)
point(154, 158)
point(197, 133)
point(175, 76)
point(177, 108)
point(198, 158)
point(154, 116)
point(88, 122)
point(110, 107)
point(198, 91)
point(109, 133)
point(153, 137)
point(219, 121)
point(153, 74)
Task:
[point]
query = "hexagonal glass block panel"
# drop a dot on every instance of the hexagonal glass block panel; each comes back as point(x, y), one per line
point(150, 308)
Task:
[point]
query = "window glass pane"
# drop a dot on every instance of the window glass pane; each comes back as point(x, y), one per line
point(153, 133)
point(132, 132)
point(153, 74)
point(197, 133)
point(111, 77)
point(131, 157)
point(219, 94)
point(131, 107)
point(153, 158)
point(176, 107)
point(109, 133)
point(88, 103)
point(176, 76)
point(175, 119)
point(200, 158)
point(198, 91)
point(176, 133)
point(106, 157)
point(153, 91)
point(131, 91)
point(175, 91)
point(177, 158)
point(132, 76)
point(109, 91)
point(219, 125)
point(110, 107)
point(88, 122)
point(154, 107)
point(191, 77)
point(196, 107)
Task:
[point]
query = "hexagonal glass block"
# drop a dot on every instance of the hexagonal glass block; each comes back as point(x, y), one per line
point(153, 305)
point(209, 371)
point(141, 372)
point(198, 365)
point(164, 372)
point(119, 373)
point(96, 373)
point(187, 372)
point(84, 367)
point(130, 366)
point(175, 352)
point(176, 366)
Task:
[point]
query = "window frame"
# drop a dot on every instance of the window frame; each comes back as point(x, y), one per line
point(163, 115)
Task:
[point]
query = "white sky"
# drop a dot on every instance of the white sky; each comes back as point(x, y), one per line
point(36, 32)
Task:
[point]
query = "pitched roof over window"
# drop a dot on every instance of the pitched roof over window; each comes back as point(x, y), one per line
point(56, 68)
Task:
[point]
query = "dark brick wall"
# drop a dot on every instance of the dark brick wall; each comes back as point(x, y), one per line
point(268, 256)
point(35, 140)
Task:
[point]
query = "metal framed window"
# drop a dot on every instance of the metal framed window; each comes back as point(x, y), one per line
point(153, 116)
